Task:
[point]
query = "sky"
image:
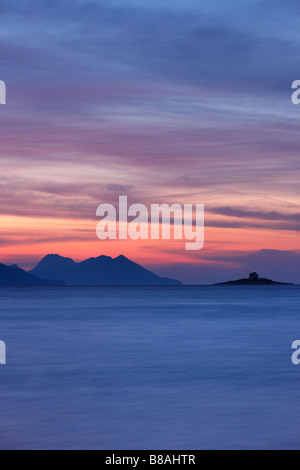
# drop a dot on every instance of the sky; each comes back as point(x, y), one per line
point(165, 101)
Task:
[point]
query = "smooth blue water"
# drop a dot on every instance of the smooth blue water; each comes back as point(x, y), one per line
point(150, 368)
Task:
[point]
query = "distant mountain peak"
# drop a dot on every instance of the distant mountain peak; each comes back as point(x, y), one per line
point(55, 257)
point(52, 260)
point(100, 271)
point(122, 260)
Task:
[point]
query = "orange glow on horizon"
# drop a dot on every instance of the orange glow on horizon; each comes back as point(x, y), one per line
point(26, 240)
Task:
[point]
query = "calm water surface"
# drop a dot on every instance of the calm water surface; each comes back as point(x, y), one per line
point(150, 368)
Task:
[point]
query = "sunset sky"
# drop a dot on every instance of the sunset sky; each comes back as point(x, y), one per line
point(163, 101)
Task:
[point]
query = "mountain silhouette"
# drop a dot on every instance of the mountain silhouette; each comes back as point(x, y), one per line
point(101, 271)
point(13, 276)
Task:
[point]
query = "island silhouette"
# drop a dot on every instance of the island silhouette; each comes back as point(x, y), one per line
point(253, 279)
point(57, 271)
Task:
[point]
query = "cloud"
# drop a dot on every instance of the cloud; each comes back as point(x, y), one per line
point(273, 219)
point(171, 84)
point(195, 45)
point(119, 188)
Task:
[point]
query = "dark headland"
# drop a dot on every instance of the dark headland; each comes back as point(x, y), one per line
point(57, 271)
point(13, 276)
point(253, 279)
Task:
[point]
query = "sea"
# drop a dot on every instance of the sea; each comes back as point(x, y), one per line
point(150, 368)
